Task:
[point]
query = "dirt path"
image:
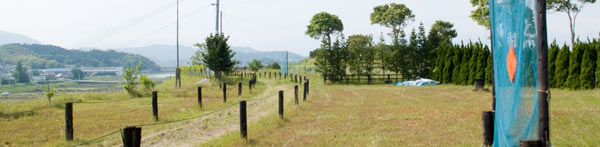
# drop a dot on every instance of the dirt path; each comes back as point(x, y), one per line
point(217, 124)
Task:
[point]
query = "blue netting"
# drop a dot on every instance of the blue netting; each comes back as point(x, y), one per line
point(284, 65)
point(513, 24)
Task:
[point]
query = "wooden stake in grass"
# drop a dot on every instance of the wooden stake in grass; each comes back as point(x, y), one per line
point(200, 96)
point(305, 91)
point(155, 105)
point(296, 94)
point(243, 122)
point(530, 143)
point(69, 121)
point(224, 93)
point(281, 104)
point(488, 127)
point(132, 136)
point(240, 89)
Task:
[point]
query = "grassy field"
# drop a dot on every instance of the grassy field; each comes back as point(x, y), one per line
point(46, 127)
point(342, 115)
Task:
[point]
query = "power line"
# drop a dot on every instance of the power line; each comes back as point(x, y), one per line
point(162, 27)
point(99, 37)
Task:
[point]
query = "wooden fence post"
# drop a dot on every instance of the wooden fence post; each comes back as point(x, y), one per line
point(295, 78)
point(132, 136)
point(296, 94)
point(281, 104)
point(488, 127)
point(240, 89)
point(224, 93)
point(243, 122)
point(304, 91)
point(69, 121)
point(530, 143)
point(389, 80)
point(155, 105)
point(200, 96)
point(250, 86)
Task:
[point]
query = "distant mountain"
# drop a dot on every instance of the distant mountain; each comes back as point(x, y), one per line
point(165, 55)
point(8, 38)
point(37, 56)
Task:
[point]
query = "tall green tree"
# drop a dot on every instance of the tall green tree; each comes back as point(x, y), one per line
point(561, 72)
point(394, 16)
point(572, 8)
point(218, 55)
point(424, 55)
point(552, 55)
point(323, 25)
point(588, 67)
point(441, 31)
point(383, 54)
point(481, 14)
point(361, 54)
point(255, 65)
point(20, 74)
point(575, 67)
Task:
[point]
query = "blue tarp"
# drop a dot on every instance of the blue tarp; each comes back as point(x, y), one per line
point(420, 82)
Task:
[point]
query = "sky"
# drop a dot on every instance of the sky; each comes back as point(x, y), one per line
point(268, 25)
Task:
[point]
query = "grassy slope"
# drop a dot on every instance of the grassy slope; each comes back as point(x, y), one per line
point(46, 127)
point(414, 116)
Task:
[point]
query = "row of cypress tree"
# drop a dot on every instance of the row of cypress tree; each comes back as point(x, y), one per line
point(462, 64)
point(572, 69)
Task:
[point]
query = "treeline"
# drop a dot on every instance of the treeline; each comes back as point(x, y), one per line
point(35, 56)
point(574, 69)
point(462, 64)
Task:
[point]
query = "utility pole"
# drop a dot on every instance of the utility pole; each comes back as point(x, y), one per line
point(217, 26)
point(177, 70)
point(221, 23)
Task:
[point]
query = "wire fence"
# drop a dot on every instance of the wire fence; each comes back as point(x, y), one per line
point(175, 121)
point(138, 125)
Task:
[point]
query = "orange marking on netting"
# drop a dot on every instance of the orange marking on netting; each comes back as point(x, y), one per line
point(511, 63)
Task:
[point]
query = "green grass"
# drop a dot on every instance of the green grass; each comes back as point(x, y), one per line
point(385, 115)
point(46, 127)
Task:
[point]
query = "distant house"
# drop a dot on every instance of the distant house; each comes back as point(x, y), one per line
point(39, 79)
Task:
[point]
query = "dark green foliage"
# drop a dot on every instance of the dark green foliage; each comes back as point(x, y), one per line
point(38, 56)
point(217, 55)
point(597, 46)
point(77, 74)
point(552, 55)
point(255, 65)
point(131, 76)
point(462, 64)
point(274, 65)
point(575, 67)
point(20, 74)
point(562, 67)
point(588, 67)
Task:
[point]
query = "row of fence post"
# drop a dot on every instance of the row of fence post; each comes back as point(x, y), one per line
point(131, 135)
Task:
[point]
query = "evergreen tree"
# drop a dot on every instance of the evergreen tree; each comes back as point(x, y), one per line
point(597, 45)
point(217, 56)
point(465, 66)
point(552, 54)
point(448, 60)
point(575, 67)
point(488, 73)
point(561, 71)
point(20, 74)
point(588, 66)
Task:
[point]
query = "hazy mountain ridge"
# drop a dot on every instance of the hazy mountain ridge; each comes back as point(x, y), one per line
point(49, 56)
point(165, 55)
point(9, 38)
